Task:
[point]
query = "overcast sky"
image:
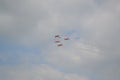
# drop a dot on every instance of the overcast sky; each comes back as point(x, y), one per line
point(28, 51)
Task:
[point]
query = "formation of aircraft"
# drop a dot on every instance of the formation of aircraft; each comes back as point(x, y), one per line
point(58, 40)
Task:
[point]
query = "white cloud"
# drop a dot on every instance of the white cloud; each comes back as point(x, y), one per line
point(72, 56)
point(38, 72)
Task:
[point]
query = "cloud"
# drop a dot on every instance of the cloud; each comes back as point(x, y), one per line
point(38, 72)
point(35, 22)
point(33, 19)
point(72, 56)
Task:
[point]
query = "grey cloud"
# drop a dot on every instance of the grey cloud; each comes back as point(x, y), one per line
point(43, 16)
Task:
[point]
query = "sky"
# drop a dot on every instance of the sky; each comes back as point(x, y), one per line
point(28, 51)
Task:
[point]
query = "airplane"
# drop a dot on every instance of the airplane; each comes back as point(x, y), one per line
point(60, 45)
point(57, 41)
point(66, 39)
point(57, 36)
